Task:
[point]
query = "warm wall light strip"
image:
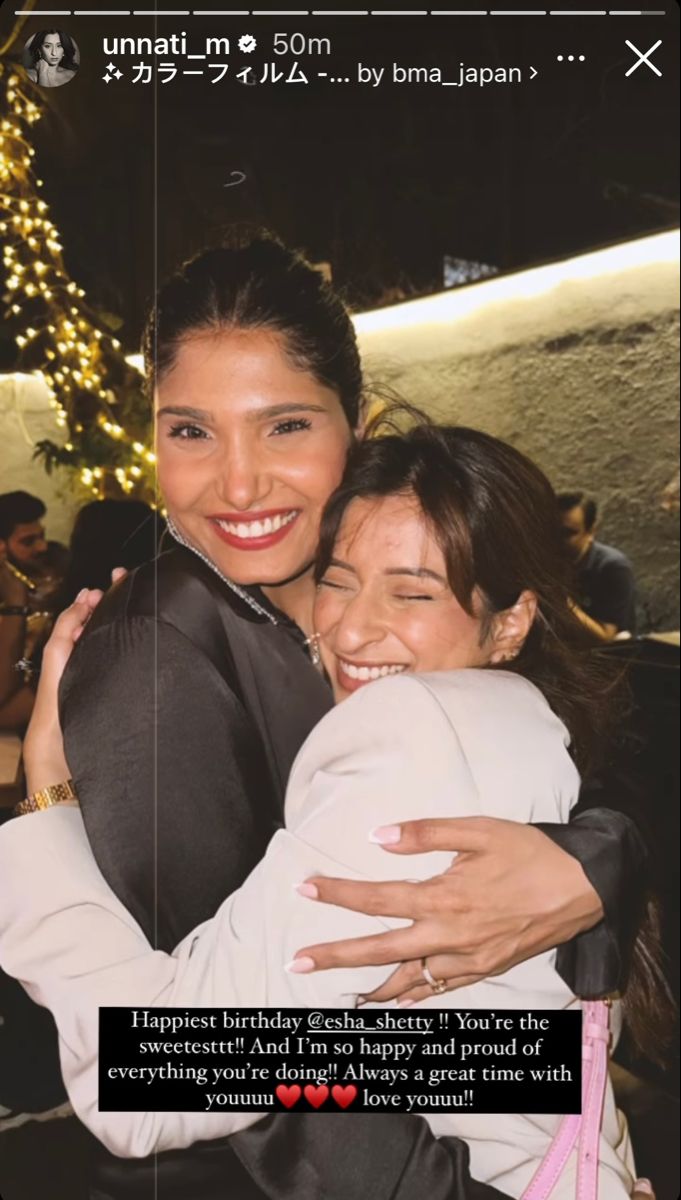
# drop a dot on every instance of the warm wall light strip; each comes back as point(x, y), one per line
point(445, 307)
point(455, 303)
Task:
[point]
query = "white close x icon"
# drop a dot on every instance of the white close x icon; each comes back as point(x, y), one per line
point(643, 57)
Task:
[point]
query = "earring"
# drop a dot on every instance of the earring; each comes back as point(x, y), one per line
point(312, 644)
point(503, 658)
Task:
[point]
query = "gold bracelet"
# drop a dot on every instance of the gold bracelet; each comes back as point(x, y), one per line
point(56, 793)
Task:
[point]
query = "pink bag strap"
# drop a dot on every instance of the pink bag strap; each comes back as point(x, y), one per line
point(582, 1130)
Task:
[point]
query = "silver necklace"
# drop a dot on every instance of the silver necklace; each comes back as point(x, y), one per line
point(234, 587)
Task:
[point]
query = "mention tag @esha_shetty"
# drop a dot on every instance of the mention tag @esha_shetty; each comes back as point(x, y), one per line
point(268, 1060)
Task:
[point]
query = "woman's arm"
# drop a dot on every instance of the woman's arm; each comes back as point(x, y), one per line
point(613, 838)
point(13, 594)
point(67, 938)
point(394, 1155)
point(74, 946)
point(513, 891)
point(168, 769)
point(64, 934)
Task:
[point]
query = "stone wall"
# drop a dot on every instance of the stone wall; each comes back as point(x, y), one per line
point(583, 377)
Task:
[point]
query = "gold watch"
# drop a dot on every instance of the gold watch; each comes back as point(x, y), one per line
point(56, 793)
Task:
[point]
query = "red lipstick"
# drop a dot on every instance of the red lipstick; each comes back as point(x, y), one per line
point(278, 522)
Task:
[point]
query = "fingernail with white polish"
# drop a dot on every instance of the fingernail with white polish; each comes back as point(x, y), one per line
point(645, 1186)
point(300, 966)
point(386, 835)
point(307, 889)
point(81, 595)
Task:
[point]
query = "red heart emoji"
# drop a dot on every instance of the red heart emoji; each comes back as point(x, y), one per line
point(288, 1095)
point(344, 1096)
point(316, 1095)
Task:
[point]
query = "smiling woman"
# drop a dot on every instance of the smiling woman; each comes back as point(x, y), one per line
point(257, 385)
point(248, 447)
point(182, 753)
point(51, 58)
point(182, 760)
point(404, 593)
point(442, 550)
point(385, 605)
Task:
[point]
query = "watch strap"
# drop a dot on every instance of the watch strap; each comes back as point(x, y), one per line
point(56, 793)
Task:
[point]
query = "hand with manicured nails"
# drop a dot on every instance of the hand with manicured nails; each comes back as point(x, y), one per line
point(510, 894)
point(44, 759)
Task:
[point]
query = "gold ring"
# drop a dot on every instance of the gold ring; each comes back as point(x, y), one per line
point(438, 985)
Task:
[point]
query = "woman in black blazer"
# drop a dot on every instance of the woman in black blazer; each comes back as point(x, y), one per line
point(186, 702)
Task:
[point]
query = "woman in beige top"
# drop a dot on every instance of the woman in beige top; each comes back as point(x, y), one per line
point(440, 562)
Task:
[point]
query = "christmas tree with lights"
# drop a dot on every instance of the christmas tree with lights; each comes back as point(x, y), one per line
point(99, 399)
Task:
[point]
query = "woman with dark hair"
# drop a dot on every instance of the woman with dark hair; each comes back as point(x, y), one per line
point(184, 756)
point(54, 58)
point(444, 622)
point(108, 534)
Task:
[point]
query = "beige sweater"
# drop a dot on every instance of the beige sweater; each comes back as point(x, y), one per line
point(458, 743)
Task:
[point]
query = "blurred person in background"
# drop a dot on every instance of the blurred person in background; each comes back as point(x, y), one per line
point(604, 577)
point(27, 580)
point(108, 534)
point(31, 1084)
point(23, 544)
point(25, 551)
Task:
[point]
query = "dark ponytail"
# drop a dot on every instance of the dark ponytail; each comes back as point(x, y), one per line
point(259, 284)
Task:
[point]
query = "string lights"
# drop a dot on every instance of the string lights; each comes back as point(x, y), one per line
point(98, 397)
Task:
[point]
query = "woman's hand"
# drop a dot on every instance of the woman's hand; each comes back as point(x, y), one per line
point(46, 75)
point(44, 759)
point(510, 893)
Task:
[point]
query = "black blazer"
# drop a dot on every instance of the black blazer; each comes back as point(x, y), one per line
point(183, 710)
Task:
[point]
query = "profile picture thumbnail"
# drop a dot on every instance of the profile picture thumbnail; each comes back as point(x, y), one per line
point(51, 58)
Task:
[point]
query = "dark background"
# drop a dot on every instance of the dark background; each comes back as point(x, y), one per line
point(382, 183)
